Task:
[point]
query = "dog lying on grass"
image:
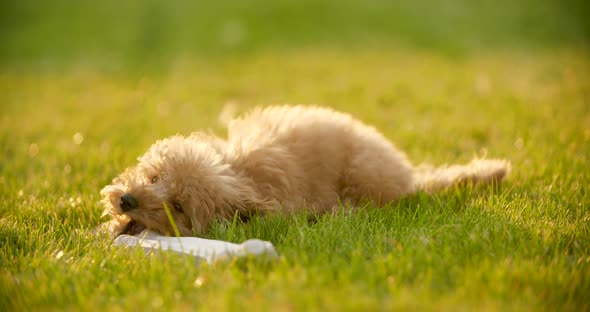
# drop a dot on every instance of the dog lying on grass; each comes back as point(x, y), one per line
point(275, 159)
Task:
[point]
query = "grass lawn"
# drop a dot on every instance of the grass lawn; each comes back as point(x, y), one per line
point(67, 127)
point(525, 245)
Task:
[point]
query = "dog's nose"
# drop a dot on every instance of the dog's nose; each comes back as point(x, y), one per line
point(128, 202)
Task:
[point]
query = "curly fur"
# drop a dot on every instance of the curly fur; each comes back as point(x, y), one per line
point(276, 158)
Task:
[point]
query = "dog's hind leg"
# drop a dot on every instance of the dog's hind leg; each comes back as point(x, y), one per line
point(377, 170)
point(478, 171)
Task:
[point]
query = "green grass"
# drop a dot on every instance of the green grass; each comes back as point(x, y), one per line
point(86, 88)
point(525, 245)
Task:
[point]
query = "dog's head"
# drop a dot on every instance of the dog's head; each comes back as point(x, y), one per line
point(186, 176)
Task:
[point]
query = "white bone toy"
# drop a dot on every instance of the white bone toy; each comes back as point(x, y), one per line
point(206, 249)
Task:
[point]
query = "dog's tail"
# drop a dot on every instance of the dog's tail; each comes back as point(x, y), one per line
point(479, 171)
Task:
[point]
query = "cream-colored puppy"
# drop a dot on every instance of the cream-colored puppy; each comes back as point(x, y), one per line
point(275, 159)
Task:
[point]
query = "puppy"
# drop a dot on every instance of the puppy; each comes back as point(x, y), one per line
point(275, 159)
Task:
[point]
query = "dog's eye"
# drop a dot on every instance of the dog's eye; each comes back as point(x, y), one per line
point(177, 207)
point(154, 179)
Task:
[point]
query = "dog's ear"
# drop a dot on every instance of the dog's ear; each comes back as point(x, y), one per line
point(200, 218)
point(200, 211)
point(224, 197)
point(239, 195)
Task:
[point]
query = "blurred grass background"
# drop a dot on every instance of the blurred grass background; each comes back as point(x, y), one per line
point(87, 86)
point(154, 33)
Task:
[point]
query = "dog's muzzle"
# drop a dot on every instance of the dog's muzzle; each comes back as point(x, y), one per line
point(128, 202)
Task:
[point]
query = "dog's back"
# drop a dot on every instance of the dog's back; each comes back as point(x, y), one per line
point(315, 156)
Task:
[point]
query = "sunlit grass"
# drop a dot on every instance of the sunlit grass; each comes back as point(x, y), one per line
point(525, 245)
